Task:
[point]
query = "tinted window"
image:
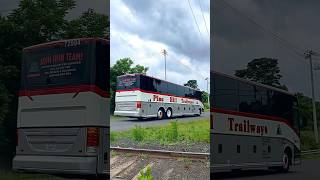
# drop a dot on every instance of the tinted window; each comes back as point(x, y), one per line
point(161, 86)
point(225, 93)
point(127, 82)
point(172, 89)
point(102, 65)
point(247, 101)
point(57, 66)
point(147, 83)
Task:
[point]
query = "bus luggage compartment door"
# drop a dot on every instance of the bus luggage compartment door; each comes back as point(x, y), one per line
point(54, 150)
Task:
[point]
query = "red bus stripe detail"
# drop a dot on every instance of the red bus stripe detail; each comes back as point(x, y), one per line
point(65, 89)
point(252, 115)
point(152, 92)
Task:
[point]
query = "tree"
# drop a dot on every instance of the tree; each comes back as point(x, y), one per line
point(34, 22)
point(204, 97)
point(90, 24)
point(262, 70)
point(121, 67)
point(192, 83)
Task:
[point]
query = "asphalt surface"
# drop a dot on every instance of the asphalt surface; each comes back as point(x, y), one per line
point(124, 123)
point(308, 170)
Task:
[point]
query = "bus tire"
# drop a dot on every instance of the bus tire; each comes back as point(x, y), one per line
point(286, 161)
point(169, 113)
point(160, 114)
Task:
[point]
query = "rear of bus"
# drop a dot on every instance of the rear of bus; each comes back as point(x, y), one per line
point(128, 96)
point(63, 111)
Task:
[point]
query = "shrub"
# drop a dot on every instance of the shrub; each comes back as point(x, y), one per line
point(145, 174)
point(138, 133)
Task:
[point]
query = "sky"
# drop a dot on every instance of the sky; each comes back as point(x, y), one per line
point(141, 29)
point(236, 39)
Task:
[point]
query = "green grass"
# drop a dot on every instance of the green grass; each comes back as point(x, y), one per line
point(116, 118)
point(10, 175)
point(307, 140)
point(194, 131)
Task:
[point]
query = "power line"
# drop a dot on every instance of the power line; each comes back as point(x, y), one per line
point(298, 50)
point(204, 18)
point(194, 17)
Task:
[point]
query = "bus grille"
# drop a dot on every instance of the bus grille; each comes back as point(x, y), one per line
point(126, 106)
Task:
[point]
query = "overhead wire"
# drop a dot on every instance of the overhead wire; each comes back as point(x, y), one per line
point(204, 18)
point(194, 17)
point(294, 48)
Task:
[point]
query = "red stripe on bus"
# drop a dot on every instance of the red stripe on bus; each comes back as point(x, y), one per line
point(65, 89)
point(152, 92)
point(252, 115)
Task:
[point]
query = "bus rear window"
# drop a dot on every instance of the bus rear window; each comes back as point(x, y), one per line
point(127, 82)
point(56, 67)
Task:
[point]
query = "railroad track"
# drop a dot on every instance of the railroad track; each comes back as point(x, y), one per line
point(127, 162)
point(310, 152)
point(162, 153)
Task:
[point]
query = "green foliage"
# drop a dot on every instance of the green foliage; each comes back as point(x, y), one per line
point(264, 71)
point(192, 83)
point(145, 174)
point(173, 132)
point(204, 98)
point(34, 22)
point(308, 141)
point(121, 67)
point(137, 133)
point(206, 106)
point(90, 24)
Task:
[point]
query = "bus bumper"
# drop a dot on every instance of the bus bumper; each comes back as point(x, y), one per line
point(55, 164)
point(128, 113)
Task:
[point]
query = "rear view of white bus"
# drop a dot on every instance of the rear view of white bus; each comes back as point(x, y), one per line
point(62, 123)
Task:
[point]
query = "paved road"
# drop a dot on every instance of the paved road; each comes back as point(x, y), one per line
point(308, 170)
point(120, 124)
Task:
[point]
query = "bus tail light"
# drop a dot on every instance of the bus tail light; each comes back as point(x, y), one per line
point(138, 104)
point(92, 139)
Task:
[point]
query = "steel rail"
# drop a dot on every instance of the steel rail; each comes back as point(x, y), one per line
point(163, 153)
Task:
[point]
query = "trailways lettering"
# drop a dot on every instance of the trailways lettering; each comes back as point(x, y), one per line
point(245, 126)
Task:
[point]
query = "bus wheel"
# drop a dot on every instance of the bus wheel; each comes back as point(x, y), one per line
point(169, 113)
point(286, 162)
point(160, 113)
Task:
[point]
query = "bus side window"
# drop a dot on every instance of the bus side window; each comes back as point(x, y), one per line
point(220, 148)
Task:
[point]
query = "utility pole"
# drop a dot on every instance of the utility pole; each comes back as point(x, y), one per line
point(165, 53)
point(207, 79)
point(309, 55)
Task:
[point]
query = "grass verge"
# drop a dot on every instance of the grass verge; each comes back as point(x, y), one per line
point(307, 140)
point(173, 132)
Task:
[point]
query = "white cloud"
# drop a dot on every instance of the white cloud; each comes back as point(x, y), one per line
point(142, 29)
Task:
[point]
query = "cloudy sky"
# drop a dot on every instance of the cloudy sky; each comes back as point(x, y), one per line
point(140, 29)
point(237, 40)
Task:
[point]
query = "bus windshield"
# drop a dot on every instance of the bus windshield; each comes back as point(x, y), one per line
point(59, 66)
